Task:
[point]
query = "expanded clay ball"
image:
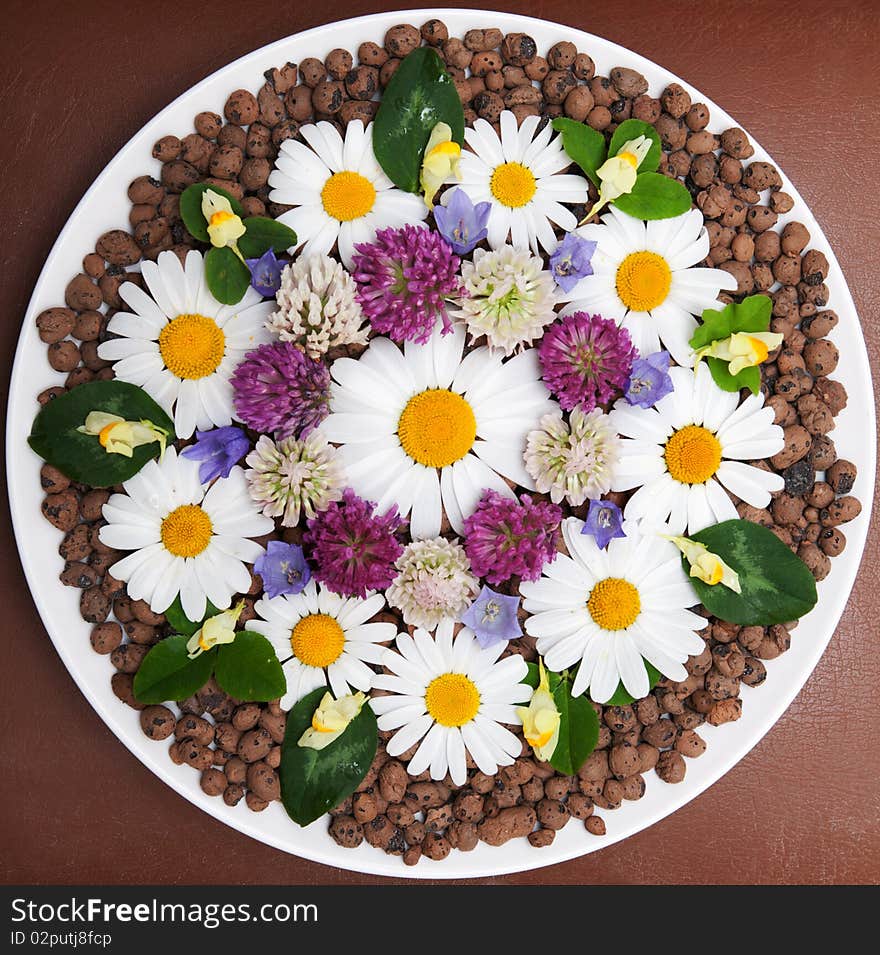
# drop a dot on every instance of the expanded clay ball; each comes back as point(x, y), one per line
point(402, 39)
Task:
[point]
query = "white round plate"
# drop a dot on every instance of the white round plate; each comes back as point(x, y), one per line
point(105, 206)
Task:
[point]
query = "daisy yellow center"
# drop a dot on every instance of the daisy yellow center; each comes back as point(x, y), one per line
point(437, 428)
point(347, 196)
point(614, 603)
point(692, 455)
point(643, 281)
point(192, 346)
point(513, 185)
point(317, 640)
point(452, 699)
point(186, 531)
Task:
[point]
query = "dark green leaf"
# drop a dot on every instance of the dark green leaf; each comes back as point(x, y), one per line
point(752, 314)
point(622, 698)
point(167, 673)
point(314, 781)
point(80, 456)
point(578, 730)
point(420, 95)
point(248, 669)
point(655, 197)
point(191, 208)
point(227, 276)
point(585, 145)
point(747, 378)
point(776, 585)
point(180, 623)
point(632, 129)
point(264, 234)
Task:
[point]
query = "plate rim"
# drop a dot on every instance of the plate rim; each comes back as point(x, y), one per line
point(485, 861)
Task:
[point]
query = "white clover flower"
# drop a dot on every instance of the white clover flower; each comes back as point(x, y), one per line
point(317, 308)
point(509, 297)
point(434, 582)
point(294, 477)
point(574, 461)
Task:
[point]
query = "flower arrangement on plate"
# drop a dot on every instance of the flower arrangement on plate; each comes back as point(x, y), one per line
point(431, 476)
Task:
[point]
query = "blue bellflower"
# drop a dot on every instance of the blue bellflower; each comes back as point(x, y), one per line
point(266, 273)
point(649, 380)
point(493, 617)
point(283, 569)
point(604, 522)
point(572, 261)
point(462, 223)
point(219, 450)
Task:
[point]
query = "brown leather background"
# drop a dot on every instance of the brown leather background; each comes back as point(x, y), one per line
point(78, 80)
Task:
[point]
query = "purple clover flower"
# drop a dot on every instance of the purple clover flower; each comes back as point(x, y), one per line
point(505, 536)
point(403, 280)
point(462, 223)
point(219, 450)
point(352, 548)
point(649, 380)
point(604, 522)
point(277, 389)
point(266, 273)
point(493, 617)
point(572, 261)
point(283, 569)
point(585, 359)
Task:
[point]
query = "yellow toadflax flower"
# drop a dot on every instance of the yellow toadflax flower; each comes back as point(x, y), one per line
point(617, 175)
point(705, 565)
point(331, 719)
point(441, 160)
point(742, 349)
point(118, 436)
point(224, 226)
point(540, 719)
point(216, 629)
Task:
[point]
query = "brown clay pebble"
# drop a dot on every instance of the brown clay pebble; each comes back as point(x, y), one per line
point(542, 837)
point(212, 781)
point(241, 108)
point(595, 825)
point(55, 324)
point(233, 794)
point(254, 745)
point(157, 722)
point(671, 767)
point(518, 821)
point(106, 637)
point(264, 781)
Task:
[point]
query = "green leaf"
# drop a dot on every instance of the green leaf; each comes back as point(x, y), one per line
point(314, 781)
point(578, 730)
point(585, 145)
point(167, 673)
point(249, 670)
point(622, 698)
point(191, 208)
point(777, 586)
point(655, 197)
point(80, 456)
point(420, 95)
point(747, 378)
point(264, 234)
point(632, 129)
point(179, 621)
point(752, 314)
point(227, 276)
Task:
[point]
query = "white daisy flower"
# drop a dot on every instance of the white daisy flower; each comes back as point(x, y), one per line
point(642, 278)
point(519, 174)
point(425, 430)
point(453, 696)
point(607, 611)
point(340, 191)
point(323, 638)
point(187, 538)
point(684, 451)
point(180, 344)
